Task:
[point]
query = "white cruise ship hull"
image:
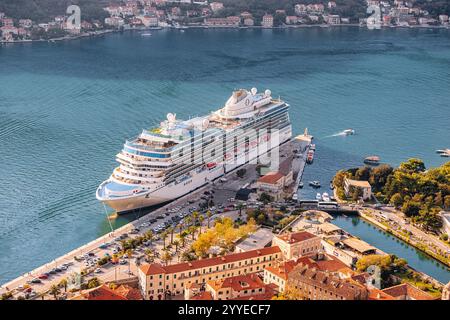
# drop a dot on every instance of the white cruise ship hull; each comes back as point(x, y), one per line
point(173, 191)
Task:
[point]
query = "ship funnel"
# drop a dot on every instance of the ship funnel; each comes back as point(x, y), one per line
point(205, 124)
point(171, 117)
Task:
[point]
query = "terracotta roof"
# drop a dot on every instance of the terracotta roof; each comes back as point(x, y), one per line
point(326, 280)
point(102, 292)
point(203, 263)
point(377, 294)
point(361, 278)
point(271, 177)
point(406, 290)
point(129, 293)
point(296, 237)
point(331, 265)
point(267, 295)
point(204, 295)
point(238, 283)
point(283, 270)
point(154, 268)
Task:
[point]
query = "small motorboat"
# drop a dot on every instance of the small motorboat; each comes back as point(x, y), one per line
point(147, 34)
point(314, 184)
point(444, 152)
point(349, 132)
point(318, 196)
point(325, 197)
point(295, 196)
point(372, 160)
point(300, 185)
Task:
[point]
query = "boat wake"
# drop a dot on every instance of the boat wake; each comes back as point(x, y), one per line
point(343, 133)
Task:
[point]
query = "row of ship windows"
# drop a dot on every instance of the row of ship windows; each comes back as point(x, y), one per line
point(272, 121)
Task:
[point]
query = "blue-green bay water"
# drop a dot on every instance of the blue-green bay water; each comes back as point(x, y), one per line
point(66, 108)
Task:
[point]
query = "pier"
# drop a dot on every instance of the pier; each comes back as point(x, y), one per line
point(300, 143)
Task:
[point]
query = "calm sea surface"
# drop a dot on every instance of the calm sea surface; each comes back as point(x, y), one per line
point(66, 108)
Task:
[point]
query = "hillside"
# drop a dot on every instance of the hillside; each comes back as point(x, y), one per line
point(45, 10)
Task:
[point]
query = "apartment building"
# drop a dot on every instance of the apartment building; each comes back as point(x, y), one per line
point(297, 244)
point(158, 282)
point(313, 284)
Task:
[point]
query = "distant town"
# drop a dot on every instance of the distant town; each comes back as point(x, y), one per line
point(147, 14)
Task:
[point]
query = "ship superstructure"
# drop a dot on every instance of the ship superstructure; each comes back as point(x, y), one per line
point(171, 160)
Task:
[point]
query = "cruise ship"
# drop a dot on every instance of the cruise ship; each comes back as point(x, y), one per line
point(171, 160)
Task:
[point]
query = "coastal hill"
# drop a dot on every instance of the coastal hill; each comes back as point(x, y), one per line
point(419, 193)
point(45, 10)
point(354, 9)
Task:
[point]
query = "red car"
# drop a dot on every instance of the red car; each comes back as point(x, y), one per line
point(43, 276)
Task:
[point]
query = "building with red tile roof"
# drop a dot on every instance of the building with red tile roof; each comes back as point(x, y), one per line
point(248, 286)
point(157, 281)
point(377, 294)
point(297, 244)
point(104, 292)
point(406, 291)
point(278, 274)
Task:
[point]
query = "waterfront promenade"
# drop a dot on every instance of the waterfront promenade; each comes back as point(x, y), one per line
point(223, 192)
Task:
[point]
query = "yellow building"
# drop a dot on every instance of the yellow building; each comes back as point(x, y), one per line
point(364, 186)
point(297, 244)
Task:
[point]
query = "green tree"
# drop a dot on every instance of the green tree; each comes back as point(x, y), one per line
point(63, 284)
point(411, 208)
point(413, 166)
point(54, 290)
point(396, 200)
point(208, 217)
point(93, 283)
point(265, 198)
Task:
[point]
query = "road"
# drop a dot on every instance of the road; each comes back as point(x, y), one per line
point(223, 192)
point(397, 220)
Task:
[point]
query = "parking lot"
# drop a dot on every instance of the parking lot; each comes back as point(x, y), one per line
point(221, 193)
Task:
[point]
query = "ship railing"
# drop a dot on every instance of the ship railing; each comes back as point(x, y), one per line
point(148, 148)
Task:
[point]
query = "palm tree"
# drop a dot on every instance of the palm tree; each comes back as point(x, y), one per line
point(182, 237)
point(149, 236)
point(240, 206)
point(63, 283)
point(176, 243)
point(192, 230)
point(171, 230)
point(195, 215)
point(188, 220)
point(208, 217)
point(166, 257)
point(201, 219)
point(54, 290)
point(150, 253)
point(163, 237)
point(129, 253)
